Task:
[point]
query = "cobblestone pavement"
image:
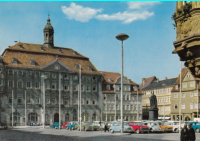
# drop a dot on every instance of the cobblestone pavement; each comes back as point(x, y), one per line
point(40, 134)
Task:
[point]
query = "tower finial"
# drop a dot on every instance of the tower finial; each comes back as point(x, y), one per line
point(48, 15)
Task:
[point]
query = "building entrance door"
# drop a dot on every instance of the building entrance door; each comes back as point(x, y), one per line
point(56, 117)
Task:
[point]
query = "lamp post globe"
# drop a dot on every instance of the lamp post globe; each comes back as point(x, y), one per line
point(122, 36)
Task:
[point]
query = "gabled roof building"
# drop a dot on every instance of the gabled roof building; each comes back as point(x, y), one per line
point(21, 68)
point(132, 99)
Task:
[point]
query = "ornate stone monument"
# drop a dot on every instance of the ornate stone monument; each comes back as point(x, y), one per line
point(153, 111)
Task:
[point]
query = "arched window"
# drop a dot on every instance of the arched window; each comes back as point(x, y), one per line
point(33, 117)
point(16, 117)
point(67, 117)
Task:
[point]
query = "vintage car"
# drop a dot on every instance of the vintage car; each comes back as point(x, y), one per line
point(71, 125)
point(152, 126)
point(138, 127)
point(116, 127)
point(175, 125)
point(87, 126)
point(166, 128)
point(195, 125)
point(55, 125)
point(64, 125)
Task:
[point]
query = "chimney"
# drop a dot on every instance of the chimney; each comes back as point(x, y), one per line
point(143, 81)
point(157, 80)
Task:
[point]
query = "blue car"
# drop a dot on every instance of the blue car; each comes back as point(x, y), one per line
point(195, 125)
point(55, 125)
point(116, 127)
point(71, 126)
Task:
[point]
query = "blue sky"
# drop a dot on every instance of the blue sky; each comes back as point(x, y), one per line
point(90, 28)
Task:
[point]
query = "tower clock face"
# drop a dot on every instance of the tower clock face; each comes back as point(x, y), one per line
point(57, 67)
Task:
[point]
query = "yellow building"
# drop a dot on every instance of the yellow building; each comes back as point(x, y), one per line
point(162, 90)
point(189, 96)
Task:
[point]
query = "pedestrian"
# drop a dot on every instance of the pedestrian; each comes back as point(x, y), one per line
point(184, 133)
point(105, 126)
point(191, 133)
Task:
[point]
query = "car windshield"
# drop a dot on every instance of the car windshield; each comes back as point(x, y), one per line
point(137, 123)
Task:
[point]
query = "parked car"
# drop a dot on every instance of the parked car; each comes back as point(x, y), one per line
point(175, 125)
point(87, 126)
point(166, 128)
point(101, 126)
point(71, 125)
point(138, 127)
point(152, 126)
point(116, 127)
point(55, 125)
point(195, 125)
point(64, 125)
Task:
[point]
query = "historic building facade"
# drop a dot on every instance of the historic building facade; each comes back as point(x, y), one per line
point(189, 97)
point(21, 68)
point(162, 90)
point(111, 89)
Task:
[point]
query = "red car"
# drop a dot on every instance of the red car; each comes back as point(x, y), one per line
point(138, 127)
point(64, 125)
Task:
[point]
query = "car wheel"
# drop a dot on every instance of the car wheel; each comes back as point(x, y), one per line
point(111, 131)
point(176, 130)
point(151, 130)
point(137, 131)
point(197, 130)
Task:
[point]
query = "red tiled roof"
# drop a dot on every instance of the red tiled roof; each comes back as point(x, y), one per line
point(42, 58)
point(113, 76)
point(147, 82)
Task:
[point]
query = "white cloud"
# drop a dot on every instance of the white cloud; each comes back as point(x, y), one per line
point(126, 17)
point(139, 4)
point(79, 13)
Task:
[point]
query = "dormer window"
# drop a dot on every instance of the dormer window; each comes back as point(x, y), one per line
point(108, 87)
point(14, 60)
point(75, 53)
point(176, 87)
point(60, 51)
point(89, 68)
point(77, 66)
point(20, 46)
point(110, 79)
point(42, 48)
point(20, 73)
point(32, 62)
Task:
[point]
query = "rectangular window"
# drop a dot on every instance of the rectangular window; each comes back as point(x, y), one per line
point(182, 106)
point(66, 101)
point(10, 100)
point(66, 88)
point(117, 107)
point(123, 107)
point(88, 88)
point(191, 105)
point(75, 87)
point(82, 88)
point(53, 100)
point(37, 100)
point(75, 77)
point(191, 84)
point(53, 86)
point(195, 105)
point(94, 88)
point(183, 94)
point(175, 106)
point(127, 97)
point(94, 79)
point(66, 76)
point(19, 84)
point(37, 85)
point(195, 93)
point(19, 100)
point(132, 107)
point(47, 100)
point(93, 102)
point(28, 99)
point(185, 85)
point(127, 107)
point(53, 75)
point(191, 94)
point(28, 84)
point(82, 101)
point(175, 95)
point(10, 83)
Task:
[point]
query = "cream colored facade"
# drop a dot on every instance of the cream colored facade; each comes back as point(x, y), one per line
point(189, 98)
point(163, 94)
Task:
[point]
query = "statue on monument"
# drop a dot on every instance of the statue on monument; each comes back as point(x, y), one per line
point(153, 101)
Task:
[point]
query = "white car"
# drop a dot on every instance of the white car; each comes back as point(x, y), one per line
point(153, 127)
point(175, 125)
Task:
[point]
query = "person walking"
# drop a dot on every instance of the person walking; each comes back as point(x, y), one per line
point(105, 126)
point(184, 134)
point(191, 133)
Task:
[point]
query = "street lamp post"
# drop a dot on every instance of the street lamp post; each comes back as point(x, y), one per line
point(44, 77)
point(122, 37)
point(164, 101)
